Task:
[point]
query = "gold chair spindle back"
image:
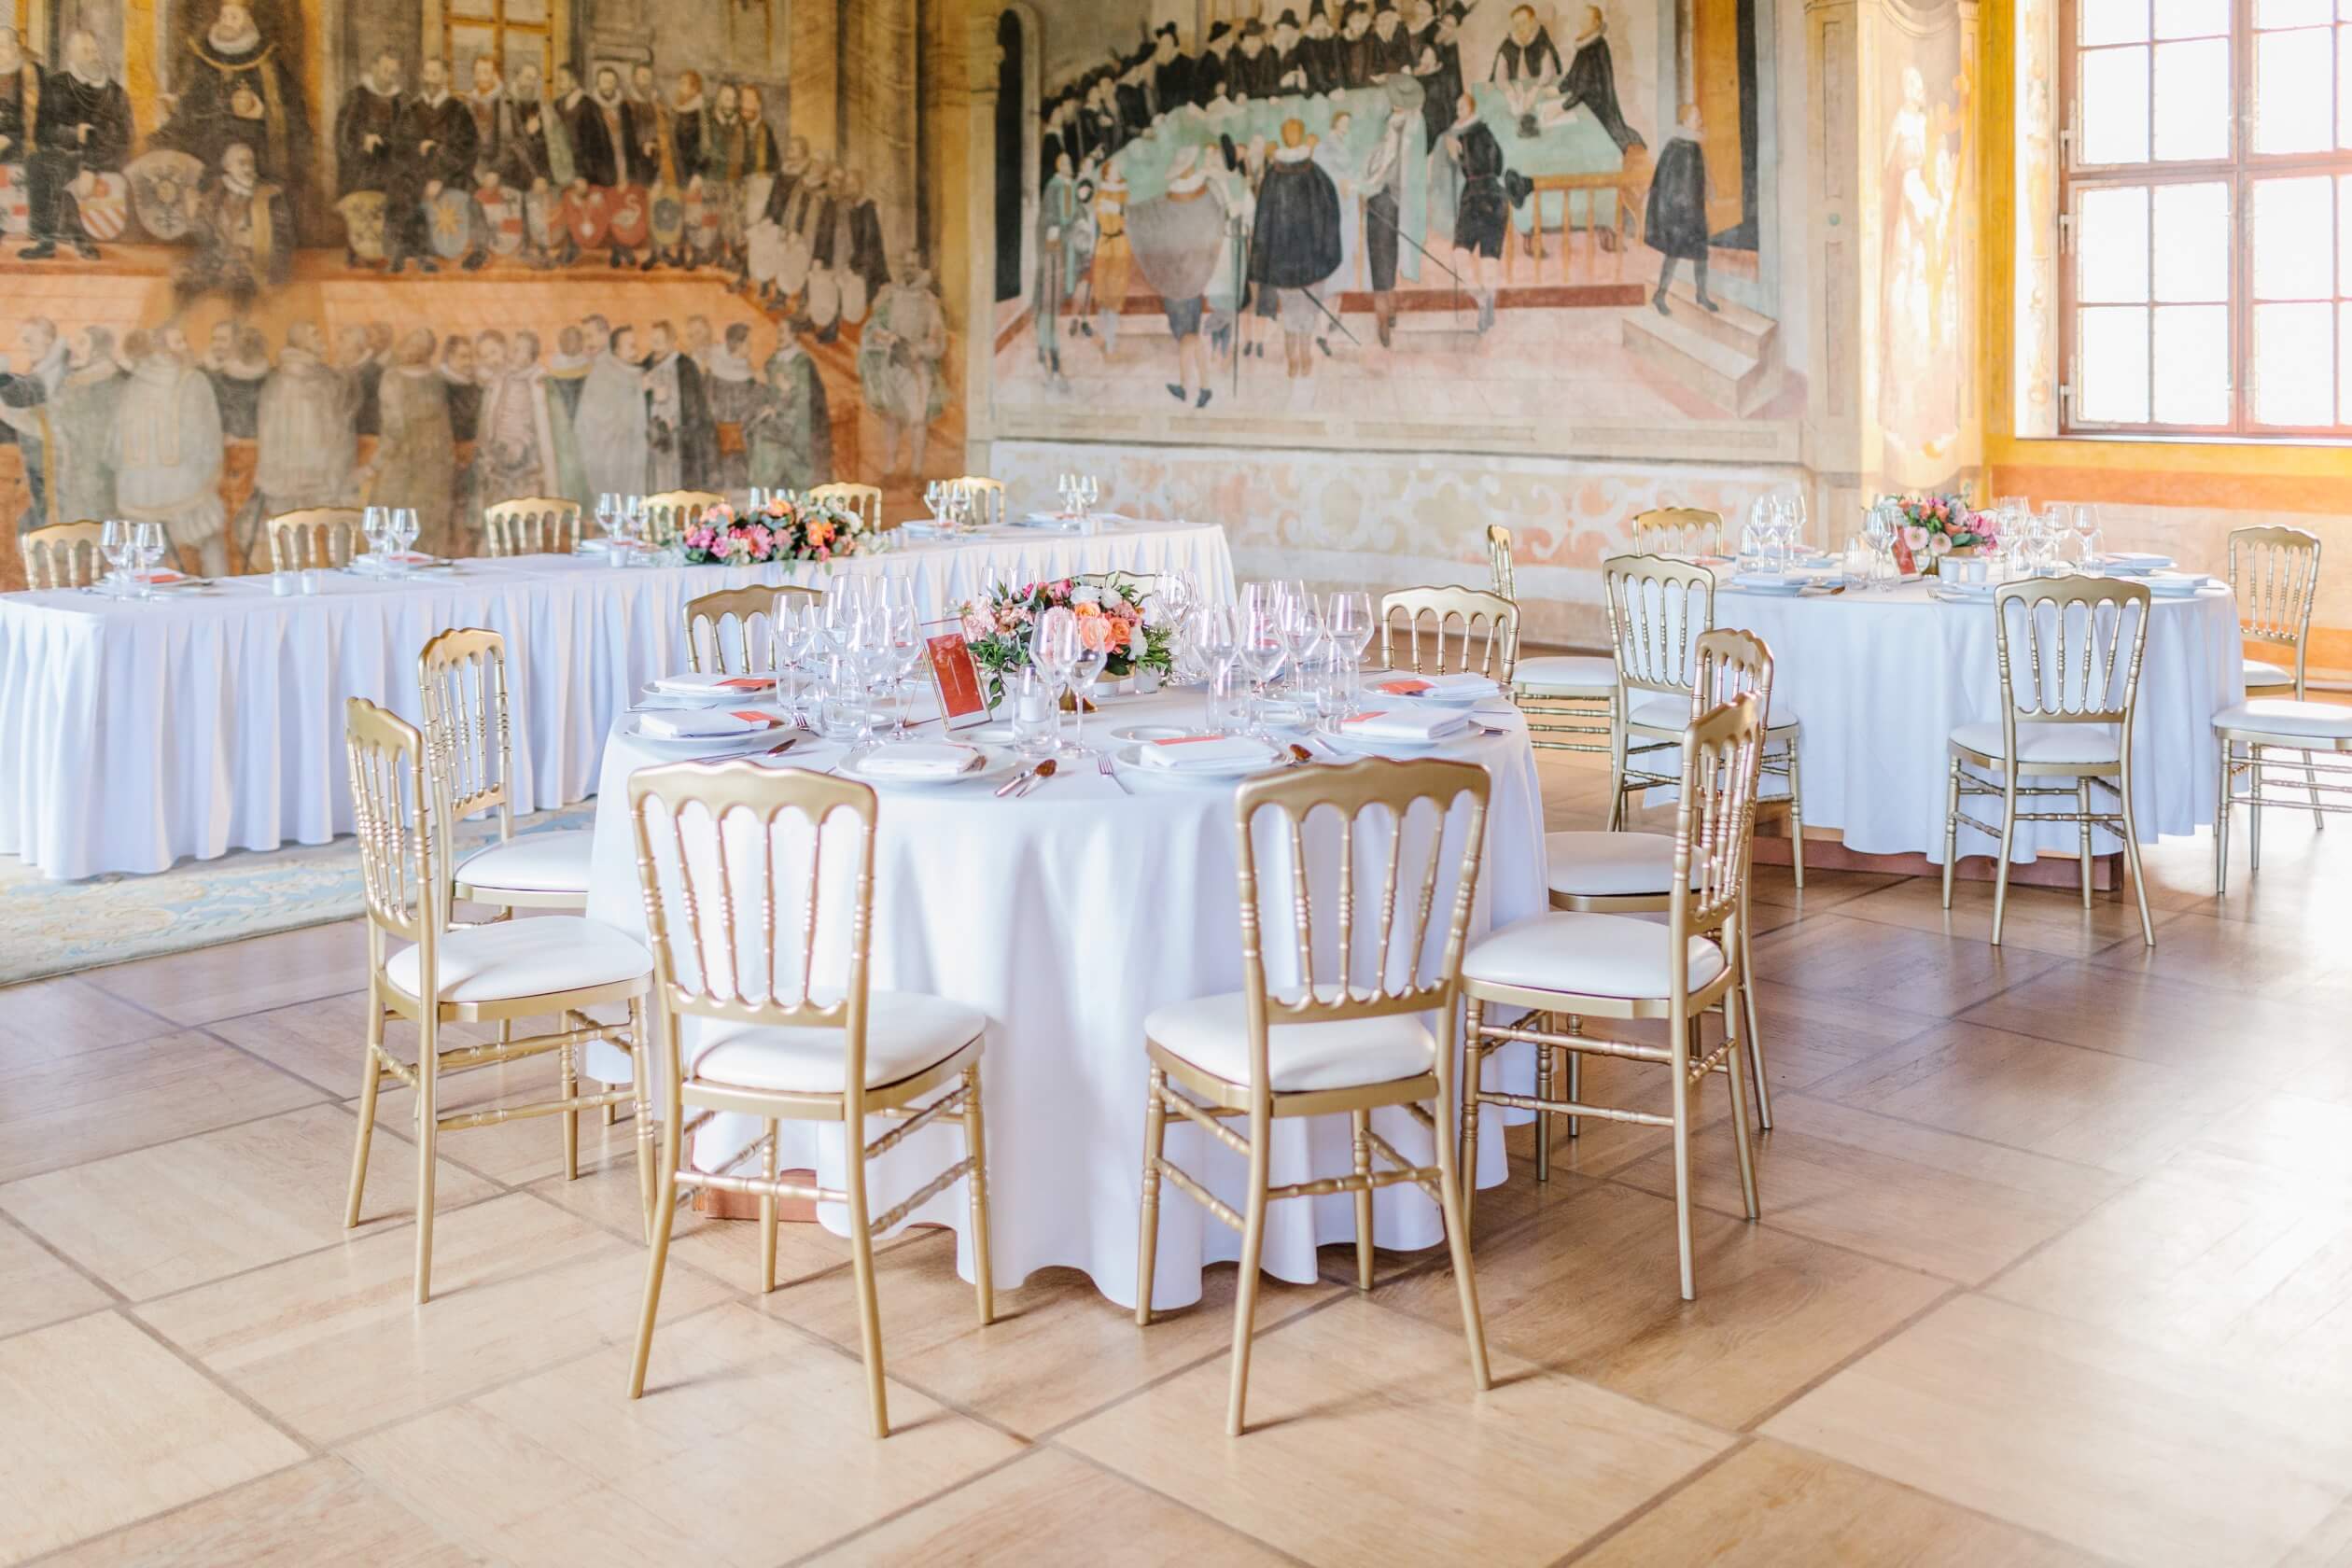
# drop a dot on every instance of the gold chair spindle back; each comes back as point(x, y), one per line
point(397, 857)
point(1499, 561)
point(864, 500)
point(987, 495)
point(2081, 639)
point(315, 538)
point(2275, 573)
point(710, 650)
point(1657, 609)
point(1678, 531)
point(670, 514)
point(1715, 818)
point(1731, 664)
point(461, 679)
point(63, 554)
point(531, 525)
point(1486, 642)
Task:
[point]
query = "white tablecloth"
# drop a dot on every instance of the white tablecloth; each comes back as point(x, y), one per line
point(132, 735)
point(1880, 680)
point(1066, 918)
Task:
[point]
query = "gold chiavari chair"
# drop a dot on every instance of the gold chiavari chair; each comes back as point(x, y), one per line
point(673, 511)
point(556, 965)
point(786, 1044)
point(1659, 608)
point(2068, 723)
point(1633, 873)
point(1350, 1038)
point(1585, 965)
point(61, 555)
point(2274, 574)
point(2243, 730)
point(1467, 630)
point(987, 495)
point(708, 616)
point(531, 525)
point(315, 538)
point(1556, 693)
point(1678, 531)
point(864, 500)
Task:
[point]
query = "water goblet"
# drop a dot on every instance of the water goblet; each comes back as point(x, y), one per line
point(116, 547)
point(1085, 671)
point(1261, 654)
point(146, 550)
point(1053, 649)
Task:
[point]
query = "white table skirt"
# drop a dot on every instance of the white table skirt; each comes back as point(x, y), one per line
point(135, 735)
point(1880, 680)
point(1066, 918)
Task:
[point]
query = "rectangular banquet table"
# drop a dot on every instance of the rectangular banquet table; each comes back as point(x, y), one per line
point(132, 735)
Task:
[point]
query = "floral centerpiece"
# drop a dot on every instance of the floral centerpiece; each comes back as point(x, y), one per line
point(1115, 617)
point(1935, 526)
point(786, 528)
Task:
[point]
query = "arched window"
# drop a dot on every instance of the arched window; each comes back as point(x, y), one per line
point(511, 31)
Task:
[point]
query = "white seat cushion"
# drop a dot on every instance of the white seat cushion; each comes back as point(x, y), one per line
point(1665, 710)
point(906, 1031)
point(555, 862)
point(1612, 864)
point(1566, 674)
point(1213, 1034)
point(2285, 716)
point(2260, 673)
point(1589, 955)
point(2045, 743)
point(525, 958)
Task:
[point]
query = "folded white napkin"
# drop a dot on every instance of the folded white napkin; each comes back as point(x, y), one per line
point(918, 760)
point(682, 723)
point(2174, 585)
point(1460, 685)
point(1183, 752)
point(714, 680)
point(1766, 578)
point(2135, 561)
point(1408, 723)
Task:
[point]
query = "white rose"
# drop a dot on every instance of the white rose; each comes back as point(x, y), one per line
point(1087, 594)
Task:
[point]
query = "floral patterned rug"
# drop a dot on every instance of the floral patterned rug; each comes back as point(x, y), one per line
point(55, 928)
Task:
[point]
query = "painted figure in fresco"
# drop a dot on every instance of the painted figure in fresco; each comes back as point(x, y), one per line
point(612, 424)
point(806, 221)
point(731, 384)
point(435, 157)
point(1252, 73)
point(790, 430)
point(236, 360)
point(20, 97)
point(244, 236)
point(82, 411)
point(367, 150)
point(1591, 80)
point(1296, 249)
point(1177, 239)
point(758, 174)
point(1482, 210)
point(864, 266)
point(681, 442)
point(1355, 49)
point(307, 421)
point(1212, 74)
point(416, 461)
point(486, 101)
point(42, 357)
point(643, 122)
point(1383, 208)
point(1057, 258)
point(685, 129)
point(82, 138)
point(1918, 310)
point(1526, 64)
point(610, 170)
point(1319, 50)
point(515, 441)
point(1290, 59)
point(1676, 224)
point(551, 409)
point(1345, 168)
point(1113, 257)
point(235, 87)
point(898, 364)
point(1437, 67)
point(166, 450)
point(1392, 46)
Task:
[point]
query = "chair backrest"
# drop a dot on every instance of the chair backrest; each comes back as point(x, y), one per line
point(61, 555)
point(1714, 820)
point(461, 680)
point(673, 511)
point(316, 537)
point(1678, 531)
point(1499, 560)
point(1659, 608)
point(2076, 641)
point(1731, 664)
point(398, 858)
point(720, 848)
point(2275, 573)
point(987, 495)
point(1480, 629)
point(864, 500)
point(532, 526)
point(708, 615)
point(1382, 829)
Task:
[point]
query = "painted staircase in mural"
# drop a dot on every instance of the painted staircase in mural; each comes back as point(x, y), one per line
point(1729, 355)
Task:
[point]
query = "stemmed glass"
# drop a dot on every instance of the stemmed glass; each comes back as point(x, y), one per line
point(146, 550)
point(1301, 628)
point(1216, 643)
point(1055, 649)
point(375, 522)
point(403, 534)
point(2092, 544)
point(1083, 672)
point(1261, 655)
point(608, 514)
point(902, 645)
point(115, 545)
point(1348, 621)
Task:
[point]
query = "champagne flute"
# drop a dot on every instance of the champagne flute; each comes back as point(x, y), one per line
point(1053, 649)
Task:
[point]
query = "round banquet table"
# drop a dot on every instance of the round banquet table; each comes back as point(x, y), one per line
point(1066, 918)
point(1879, 681)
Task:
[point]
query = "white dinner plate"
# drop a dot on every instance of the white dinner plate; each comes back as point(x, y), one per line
point(1772, 587)
point(696, 746)
point(1374, 746)
point(2175, 586)
point(1149, 732)
point(667, 696)
point(1460, 696)
point(990, 762)
point(2135, 563)
point(1130, 757)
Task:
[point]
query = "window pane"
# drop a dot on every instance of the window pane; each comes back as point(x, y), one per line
point(2290, 13)
point(2115, 106)
point(2113, 21)
point(2112, 247)
point(2192, 241)
point(2294, 234)
point(2193, 365)
point(2112, 358)
point(2192, 99)
point(2294, 364)
point(2192, 19)
point(2295, 97)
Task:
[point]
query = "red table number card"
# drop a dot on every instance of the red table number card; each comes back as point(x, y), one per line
point(963, 702)
point(1905, 562)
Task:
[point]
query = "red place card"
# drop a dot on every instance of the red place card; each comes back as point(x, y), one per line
point(962, 703)
point(749, 684)
point(765, 720)
point(1905, 562)
point(1404, 688)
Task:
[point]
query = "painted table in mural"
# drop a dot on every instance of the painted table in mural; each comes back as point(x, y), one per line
point(1879, 681)
point(1066, 918)
point(136, 734)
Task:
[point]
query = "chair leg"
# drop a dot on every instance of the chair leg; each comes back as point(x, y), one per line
point(2008, 836)
point(1544, 1067)
point(657, 1250)
point(2311, 782)
point(642, 1106)
point(1618, 742)
point(427, 1129)
point(2082, 810)
point(1363, 1125)
point(2132, 860)
point(369, 1083)
point(1147, 1238)
point(2254, 812)
point(1796, 815)
point(976, 1193)
point(767, 1209)
point(1735, 1070)
point(1452, 1191)
point(1245, 1288)
point(1751, 1037)
point(862, 1268)
point(1575, 1077)
point(1678, 1028)
point(569, 1069)
point(1951, 828)
point(2221, 827)
point(1473, 1060)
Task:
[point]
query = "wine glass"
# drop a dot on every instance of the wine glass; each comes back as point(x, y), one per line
point(146, 550)
point(115, 547)
point(1216, 643)
point(1347, 619)
point(903, 643)
point(1301, 628)
point(796, 631)
point(376, 524)
point(2092, 538)
point(1261, 654)
point(1055, 649)
point(1083, 672)
point(608, 513)
point(403, 534)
